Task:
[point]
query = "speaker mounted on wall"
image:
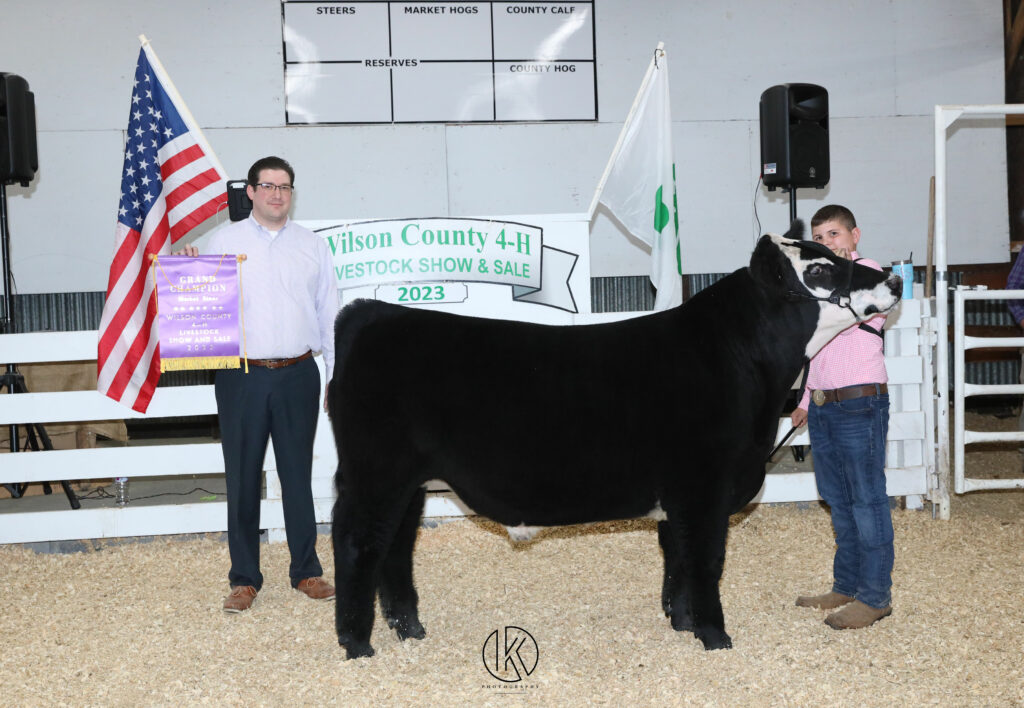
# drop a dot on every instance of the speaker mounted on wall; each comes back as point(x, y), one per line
point(18, 158)
point(794, 136)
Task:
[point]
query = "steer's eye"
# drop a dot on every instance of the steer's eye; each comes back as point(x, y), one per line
point(815, 269)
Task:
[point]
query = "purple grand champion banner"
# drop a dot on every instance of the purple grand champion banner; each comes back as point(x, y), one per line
point(197, 307)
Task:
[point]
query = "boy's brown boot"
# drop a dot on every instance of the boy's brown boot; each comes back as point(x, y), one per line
point(857, 615)
point(828, 601)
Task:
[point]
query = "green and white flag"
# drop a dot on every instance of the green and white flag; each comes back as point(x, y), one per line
point(640, 187)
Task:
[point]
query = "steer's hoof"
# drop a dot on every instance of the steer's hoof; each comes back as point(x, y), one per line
point(715, 639)
point(682, 621)
point(412, 630)
point(407, 626)
point(357, 650)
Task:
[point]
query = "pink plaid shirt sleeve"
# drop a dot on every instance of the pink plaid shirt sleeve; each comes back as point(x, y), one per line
point(852, 357)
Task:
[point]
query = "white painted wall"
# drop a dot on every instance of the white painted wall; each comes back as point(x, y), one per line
point(885, 64)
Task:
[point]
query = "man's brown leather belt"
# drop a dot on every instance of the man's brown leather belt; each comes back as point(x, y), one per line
point(278, 363)
point(821, 397)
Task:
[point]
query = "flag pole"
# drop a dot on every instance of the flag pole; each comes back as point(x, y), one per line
point(180, 103)
point(659, 51)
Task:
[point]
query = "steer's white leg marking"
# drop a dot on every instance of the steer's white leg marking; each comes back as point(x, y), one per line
point(522, 533)
point(657, 513)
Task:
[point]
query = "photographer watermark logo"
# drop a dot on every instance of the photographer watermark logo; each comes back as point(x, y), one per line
point(510, 655)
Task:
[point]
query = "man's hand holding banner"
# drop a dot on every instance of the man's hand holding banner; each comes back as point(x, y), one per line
point(200, 323)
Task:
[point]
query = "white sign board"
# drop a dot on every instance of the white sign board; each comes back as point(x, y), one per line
point(373, 61)
point(533, 268)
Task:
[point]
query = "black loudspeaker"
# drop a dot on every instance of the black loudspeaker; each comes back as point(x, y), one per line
point(18, 158)
point(794, 136)
point(239, 204)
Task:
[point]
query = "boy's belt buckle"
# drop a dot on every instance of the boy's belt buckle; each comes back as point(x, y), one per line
point(818, 396)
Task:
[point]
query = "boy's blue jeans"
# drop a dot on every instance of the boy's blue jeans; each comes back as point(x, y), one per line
point(848, 447)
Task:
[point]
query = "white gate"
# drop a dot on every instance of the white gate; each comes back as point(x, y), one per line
point(961, 390)
point(945, 117)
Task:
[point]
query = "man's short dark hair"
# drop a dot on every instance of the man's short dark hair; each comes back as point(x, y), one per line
point(834, 212)
point(269, 163)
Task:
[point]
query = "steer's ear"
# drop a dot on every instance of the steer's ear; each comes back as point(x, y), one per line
point(769, 265)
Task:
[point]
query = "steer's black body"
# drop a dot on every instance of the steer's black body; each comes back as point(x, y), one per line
point(537, 425)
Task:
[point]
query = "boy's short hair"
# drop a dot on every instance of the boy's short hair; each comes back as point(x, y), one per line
point(834, 212)
point(269, 163)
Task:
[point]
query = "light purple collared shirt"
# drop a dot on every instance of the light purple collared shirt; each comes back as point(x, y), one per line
point(289, 291)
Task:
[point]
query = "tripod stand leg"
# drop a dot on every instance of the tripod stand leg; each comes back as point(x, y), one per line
point(34, 434)
point(70, 493)
point(14, 381)
point(48, 445)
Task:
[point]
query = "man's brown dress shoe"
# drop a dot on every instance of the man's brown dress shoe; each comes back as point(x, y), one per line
point(240, 599)
point(316, 588)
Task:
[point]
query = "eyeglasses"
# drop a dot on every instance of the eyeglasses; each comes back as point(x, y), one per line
point(270, 188)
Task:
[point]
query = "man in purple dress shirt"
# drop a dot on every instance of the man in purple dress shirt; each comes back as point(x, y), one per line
point(290, 299)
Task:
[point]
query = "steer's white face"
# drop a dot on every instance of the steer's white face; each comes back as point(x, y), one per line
point(860, 292)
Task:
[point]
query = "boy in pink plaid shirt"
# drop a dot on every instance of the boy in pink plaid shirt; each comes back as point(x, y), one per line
point(846, 408)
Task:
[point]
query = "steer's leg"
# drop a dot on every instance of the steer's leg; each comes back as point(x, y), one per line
point(398, 596)
point(674, 599)
point(700, 533)
point(706, 540)
point(356, 559)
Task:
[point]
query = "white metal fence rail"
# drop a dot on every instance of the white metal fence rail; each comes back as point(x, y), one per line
point(961, 389)
point(131, 462)
point(908, 358)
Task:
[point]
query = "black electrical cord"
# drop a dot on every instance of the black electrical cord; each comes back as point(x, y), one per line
point(101, 493)
point(757, 187)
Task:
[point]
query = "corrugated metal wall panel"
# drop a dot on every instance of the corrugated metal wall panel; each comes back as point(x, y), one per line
point(986, 312)
point(66, 312)
point(699, 281)
point(989, 372)
point(621, 294)
point(58, 312)
point(635, 293)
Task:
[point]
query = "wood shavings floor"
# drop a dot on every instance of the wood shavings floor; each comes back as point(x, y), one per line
point(140, 624)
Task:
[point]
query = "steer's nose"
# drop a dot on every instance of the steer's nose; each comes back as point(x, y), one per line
point(895, 284)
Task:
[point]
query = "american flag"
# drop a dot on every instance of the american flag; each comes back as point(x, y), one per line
point(171, 183)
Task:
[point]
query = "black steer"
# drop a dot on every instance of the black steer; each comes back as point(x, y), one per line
point(669, 414)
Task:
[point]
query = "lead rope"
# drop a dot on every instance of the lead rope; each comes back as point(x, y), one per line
point(799, 397)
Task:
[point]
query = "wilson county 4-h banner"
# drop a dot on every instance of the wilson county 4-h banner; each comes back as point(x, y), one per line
point(496, 267)
point(198, 311)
